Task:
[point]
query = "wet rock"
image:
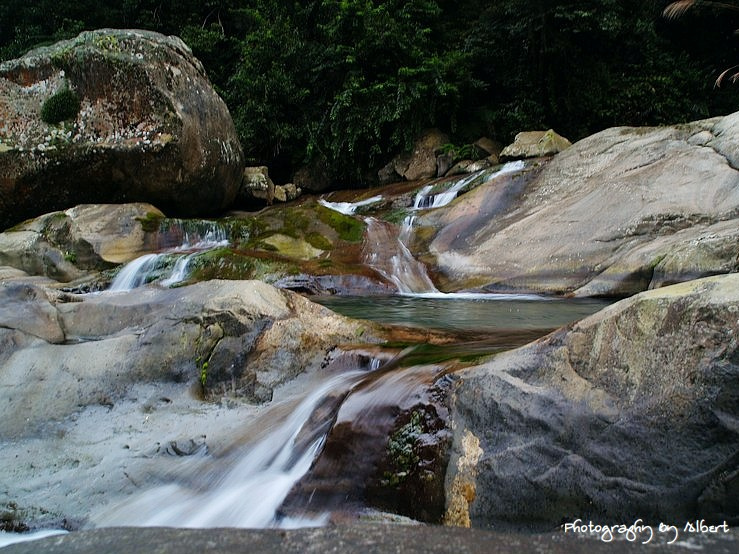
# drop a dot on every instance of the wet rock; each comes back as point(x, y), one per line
point(535, 144)
point(607, 211)
point(630, 413)
point(134, 118)
point(343, 285)
point(67, 245)
point(387, 447)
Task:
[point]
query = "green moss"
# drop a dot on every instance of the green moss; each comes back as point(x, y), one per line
point(224, 263)
point(150, 222)
point(317, 240)
point(401, 452)
point(63, 105)
point(107, 42)
point(396, 216)
point(347, 227)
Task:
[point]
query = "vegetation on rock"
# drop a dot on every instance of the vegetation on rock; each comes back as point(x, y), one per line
point(61, 106)
point(346, 85)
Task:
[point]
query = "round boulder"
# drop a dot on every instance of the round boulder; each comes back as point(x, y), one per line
point(114, 116)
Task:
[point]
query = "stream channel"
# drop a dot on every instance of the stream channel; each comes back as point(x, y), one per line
point(314, 453)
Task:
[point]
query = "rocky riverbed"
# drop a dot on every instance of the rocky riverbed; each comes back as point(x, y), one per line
point(165, 385)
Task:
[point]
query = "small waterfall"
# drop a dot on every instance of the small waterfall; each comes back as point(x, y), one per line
point(135, 273)
point(424, 200)
point(250, 492)
point(349, 208)
point(385, 252)
point(385, 247)
point(193, 238)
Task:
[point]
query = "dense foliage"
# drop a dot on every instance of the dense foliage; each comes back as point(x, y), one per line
point(345, 84)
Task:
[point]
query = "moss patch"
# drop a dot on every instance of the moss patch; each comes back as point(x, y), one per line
point(224, 263)
point(150, 222)
point(347, 227)
point(63, 105)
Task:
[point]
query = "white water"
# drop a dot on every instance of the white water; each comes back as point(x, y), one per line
point(7, 539)
point(250, 493)
point(424, 200)
point(385, 252)
point(139, 271)
point(179, 271)
point(349, 208)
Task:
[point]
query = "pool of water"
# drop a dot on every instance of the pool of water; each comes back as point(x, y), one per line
point(462, 312)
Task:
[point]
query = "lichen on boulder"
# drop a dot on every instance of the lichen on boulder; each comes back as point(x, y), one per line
point(114, 116)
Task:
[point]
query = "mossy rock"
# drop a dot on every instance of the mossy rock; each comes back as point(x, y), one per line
point(224, 263)
point(63, 105)
point(347, 227)
point(151, 221)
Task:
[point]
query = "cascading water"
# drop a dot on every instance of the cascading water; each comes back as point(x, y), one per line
point(192, 242)
point(263, 472)
point(424, 200)
point(349, 208)
point(249, 494)
point(385, 252)
point(386, 248)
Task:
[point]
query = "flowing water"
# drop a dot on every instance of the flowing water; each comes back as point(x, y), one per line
point(385, 252)
point(294, 469)
point(247, 487)
point(188, 242)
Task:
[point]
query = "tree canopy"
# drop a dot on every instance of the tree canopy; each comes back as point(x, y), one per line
point(347, 84)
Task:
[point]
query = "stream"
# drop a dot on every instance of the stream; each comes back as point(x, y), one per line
point(309, 455)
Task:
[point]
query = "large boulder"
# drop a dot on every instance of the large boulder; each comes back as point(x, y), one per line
point(420, 163)
point(630, 413)
point(60, 352)
point(618, 212)
point(114, 116)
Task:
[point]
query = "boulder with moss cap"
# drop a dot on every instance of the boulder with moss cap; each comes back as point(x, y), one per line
point(114, 116)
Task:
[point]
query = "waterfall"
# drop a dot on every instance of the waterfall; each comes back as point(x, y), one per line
point(262, 473)
point(385, 252)
point(192, 239)
point(385, 247)
point(349, 208)
point(424, 200)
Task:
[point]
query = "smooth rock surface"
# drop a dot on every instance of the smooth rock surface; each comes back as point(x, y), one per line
point(67, 245)
point(149, 127)
point(630, 413)
point(61, 352)
point(365, 538)
point(600, 218)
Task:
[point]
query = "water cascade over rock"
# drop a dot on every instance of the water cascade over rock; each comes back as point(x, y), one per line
point(148, 267)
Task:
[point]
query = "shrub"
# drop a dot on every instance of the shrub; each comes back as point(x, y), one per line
point(61, 106)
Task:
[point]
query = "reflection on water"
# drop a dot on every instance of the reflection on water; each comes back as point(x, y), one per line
point(487, 313)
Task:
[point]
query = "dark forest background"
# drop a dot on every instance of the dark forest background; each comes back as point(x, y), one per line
point(347, 84)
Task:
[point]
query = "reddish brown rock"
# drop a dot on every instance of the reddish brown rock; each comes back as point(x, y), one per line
point(114, 116)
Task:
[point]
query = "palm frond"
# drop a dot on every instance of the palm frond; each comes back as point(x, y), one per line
point(676, 9)
point(733, 78)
